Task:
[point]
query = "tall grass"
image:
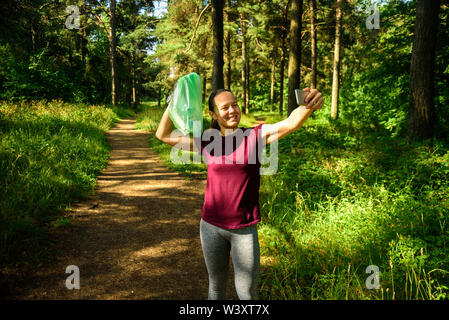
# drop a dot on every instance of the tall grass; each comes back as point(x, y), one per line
point(50, 154)
point(339, 204)
point(344, 199)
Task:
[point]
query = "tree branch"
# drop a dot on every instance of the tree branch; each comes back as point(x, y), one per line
point(104, 27)
point(196, 27)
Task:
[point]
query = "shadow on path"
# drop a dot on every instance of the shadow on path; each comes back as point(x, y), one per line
point(137, 238)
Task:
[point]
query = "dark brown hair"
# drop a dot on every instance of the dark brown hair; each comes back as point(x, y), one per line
point(214, 124)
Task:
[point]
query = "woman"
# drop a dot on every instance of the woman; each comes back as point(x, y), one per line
point(230, 211)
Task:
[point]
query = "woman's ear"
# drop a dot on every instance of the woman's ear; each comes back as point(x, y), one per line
point(212, 115)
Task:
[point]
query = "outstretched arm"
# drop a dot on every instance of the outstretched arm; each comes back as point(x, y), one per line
point(164, 133)
point(276, 131)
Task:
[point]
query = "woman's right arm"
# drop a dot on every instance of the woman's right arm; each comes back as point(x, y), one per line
point(177, 139)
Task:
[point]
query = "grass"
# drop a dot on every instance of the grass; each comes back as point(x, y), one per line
point(50, 154)
point(339, 204)
point(343, 199)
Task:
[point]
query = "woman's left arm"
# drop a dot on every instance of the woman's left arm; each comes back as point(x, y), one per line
point(276, 131)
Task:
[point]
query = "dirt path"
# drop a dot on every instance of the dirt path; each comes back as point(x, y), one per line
point(137, 238)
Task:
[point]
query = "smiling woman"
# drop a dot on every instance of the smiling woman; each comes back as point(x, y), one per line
point(230, 211)
point(224, 111)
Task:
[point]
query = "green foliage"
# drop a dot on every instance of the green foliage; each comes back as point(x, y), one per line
point(37, 78)
point(339, 204)
point(175, 32)
point(348, 193)
point(343, 199)
point(375, 93)
point(42, 59)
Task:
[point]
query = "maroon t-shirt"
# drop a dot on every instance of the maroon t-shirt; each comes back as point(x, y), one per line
point(231, 200)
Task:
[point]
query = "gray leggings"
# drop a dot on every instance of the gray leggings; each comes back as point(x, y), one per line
point(243, 244)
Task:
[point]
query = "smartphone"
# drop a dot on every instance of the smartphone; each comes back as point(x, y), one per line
point(300, 97)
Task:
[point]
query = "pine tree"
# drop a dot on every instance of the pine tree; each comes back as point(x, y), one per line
point(217, 26)
point(336, 65)
point(294, 61)
point(422, 75)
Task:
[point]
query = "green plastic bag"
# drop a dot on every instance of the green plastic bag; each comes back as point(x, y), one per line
point(185, 107)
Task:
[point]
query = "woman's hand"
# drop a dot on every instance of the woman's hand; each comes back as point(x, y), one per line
point(276, 131)
point(314, 99)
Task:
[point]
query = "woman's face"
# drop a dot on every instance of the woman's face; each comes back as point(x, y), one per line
point(227, 111)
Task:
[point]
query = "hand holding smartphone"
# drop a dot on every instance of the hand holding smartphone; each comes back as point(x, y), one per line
point(300, 97)
point(314, 97)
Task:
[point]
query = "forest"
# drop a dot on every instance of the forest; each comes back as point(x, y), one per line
point(364, 184)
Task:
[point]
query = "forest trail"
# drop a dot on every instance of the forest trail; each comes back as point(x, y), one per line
point(136, 238)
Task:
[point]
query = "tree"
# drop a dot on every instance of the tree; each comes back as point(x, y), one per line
point(184, 43)
point(113, 53)
point(44, 58)
point(217, 26)
point(422, 91)
point(228, 74)
point(243, 24)
point(273, 79)
point(294, 61)
point(283, 57)
point(112, 38)
point(336, 66)
point(312, 8)
point(265, 23)
point(135, 25)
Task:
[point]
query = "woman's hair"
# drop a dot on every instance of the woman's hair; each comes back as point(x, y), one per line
point(214, 124)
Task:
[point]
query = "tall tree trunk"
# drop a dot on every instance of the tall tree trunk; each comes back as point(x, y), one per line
point(83, 47)
point(133, 83)
point(228, 48)
point(283, 57)
point(294, 60)
point(113, 52)
point(129, 88)
point(272, 84)
point(84, 63)
point(422, 90)
point(33, 36)
point(247, 97)
point(336, 67)
point(217, 25)
point(312, 7)
point(282, 70)
point(244, 57)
